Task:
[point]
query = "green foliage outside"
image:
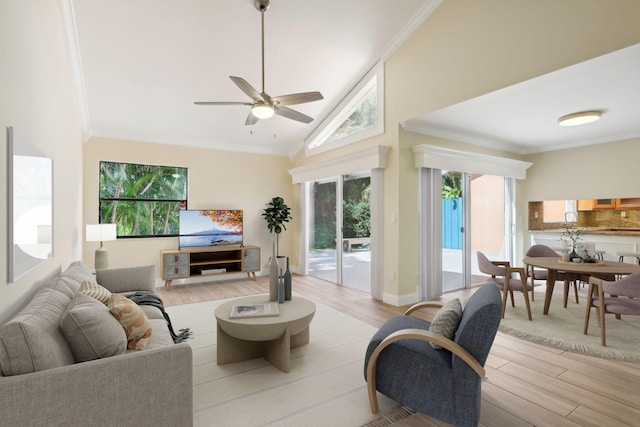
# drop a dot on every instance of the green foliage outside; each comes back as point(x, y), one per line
point(142, 200)
point(452, 187)
point(363, 117)
point(356, 211)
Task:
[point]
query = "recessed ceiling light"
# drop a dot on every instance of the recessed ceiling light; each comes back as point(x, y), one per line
point(581, 118)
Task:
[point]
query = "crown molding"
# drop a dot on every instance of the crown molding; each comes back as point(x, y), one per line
point(73, 51)
point(370, 158)
point(431, 156)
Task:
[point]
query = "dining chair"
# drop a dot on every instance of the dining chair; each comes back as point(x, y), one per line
point(624, 298)
point(543, 274)
point(501, 275)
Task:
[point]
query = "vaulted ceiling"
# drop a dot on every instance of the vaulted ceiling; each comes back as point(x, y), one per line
point(145, 62)
point(141, 64)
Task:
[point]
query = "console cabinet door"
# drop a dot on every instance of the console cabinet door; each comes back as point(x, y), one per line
point(251, 260)
point(175, 265)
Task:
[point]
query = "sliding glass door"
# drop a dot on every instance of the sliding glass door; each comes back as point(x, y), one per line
point(323, 261)
point(340, 238)
point(461, 214)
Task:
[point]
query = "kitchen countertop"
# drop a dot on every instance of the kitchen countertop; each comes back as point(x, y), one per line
point(597, 230)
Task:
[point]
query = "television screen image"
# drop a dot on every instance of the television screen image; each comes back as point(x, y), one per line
point(210, 228)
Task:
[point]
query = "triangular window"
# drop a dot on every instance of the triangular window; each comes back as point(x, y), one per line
point(360, 116)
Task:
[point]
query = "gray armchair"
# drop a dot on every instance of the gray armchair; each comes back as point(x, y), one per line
point(445, 384)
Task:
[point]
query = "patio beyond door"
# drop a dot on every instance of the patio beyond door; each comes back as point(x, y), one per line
point(474, 218)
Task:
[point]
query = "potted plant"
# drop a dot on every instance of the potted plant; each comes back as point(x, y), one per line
point(277, 213)
point(573, 235)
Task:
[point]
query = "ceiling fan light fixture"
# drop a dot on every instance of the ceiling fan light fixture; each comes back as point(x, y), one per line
point(262, 111)
point(580, 118)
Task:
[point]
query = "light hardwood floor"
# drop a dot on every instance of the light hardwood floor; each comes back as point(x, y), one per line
point(527, 385)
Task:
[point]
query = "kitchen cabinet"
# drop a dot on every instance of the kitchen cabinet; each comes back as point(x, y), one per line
point(628, 203)
point(604, 203)
point(585, 205)
point(618, 204)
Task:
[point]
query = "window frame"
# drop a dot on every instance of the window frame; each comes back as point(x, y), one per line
point(344, 110)
point(183, 203)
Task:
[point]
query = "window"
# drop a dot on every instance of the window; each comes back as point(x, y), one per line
point(142, 200)
point(360, 116)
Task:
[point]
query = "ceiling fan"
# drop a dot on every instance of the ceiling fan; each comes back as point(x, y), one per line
point(262, 105)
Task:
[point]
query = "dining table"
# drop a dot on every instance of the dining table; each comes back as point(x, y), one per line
point(554, 265)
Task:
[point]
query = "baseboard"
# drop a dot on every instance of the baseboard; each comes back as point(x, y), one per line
point(400, 300)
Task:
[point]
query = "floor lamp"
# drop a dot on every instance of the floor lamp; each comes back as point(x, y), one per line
point(101, 233)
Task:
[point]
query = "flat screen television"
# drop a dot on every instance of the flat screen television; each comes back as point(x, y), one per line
point(210, 228)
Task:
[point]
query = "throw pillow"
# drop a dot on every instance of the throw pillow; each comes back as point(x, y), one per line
point(96, 291)
point(132, 318)
point(447, 320)
point(91, 331)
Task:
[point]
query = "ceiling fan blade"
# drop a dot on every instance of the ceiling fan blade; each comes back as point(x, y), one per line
point(251, 119)
point(298, 98)
point(247, 88)
point(291, 114)
point(221, 103)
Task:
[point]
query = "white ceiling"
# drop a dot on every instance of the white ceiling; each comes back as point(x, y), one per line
point(142, 64)
point(524, 118)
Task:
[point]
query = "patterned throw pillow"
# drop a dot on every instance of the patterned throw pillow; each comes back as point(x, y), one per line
point(96, 291)
point(131, 317)
point(447, 320)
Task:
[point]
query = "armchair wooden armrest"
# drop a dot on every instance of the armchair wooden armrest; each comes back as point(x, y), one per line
point(423, 304)
point(422, 335)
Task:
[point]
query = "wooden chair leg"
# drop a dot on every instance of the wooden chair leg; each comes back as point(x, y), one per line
point(504, 301)
point(589, 305)
point(566, 293)
point(525, 290)
point(603, 334)
point(575, 288)
point(513, 303)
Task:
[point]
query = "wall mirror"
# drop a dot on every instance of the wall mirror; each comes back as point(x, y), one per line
point(30, 206)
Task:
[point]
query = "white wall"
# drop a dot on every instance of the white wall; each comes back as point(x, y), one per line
point(217, 180)
point(38, 100)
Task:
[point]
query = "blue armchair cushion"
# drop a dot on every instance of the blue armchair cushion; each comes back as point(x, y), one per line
point(446, 321)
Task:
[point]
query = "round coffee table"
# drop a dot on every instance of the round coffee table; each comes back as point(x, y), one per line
point(268, 337)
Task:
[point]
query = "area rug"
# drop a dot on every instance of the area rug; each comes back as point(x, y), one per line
point(393, 418)
point(325, 386)
point(562, 328)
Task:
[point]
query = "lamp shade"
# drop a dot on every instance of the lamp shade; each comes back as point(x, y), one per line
point(101, 232)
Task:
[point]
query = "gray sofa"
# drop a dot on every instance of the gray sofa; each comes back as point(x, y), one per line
point(44, 384)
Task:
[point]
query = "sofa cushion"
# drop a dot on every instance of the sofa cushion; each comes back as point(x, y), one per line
point(132, 318)
point(69, 281)
point(91, 331)
point(33, 341)
point(161, 336)
point(95, 291)
point(446, 320)
point(128, 279)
